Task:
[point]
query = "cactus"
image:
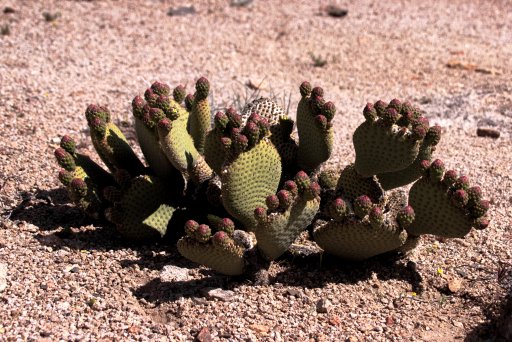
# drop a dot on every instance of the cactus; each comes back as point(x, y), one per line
point(259, 185)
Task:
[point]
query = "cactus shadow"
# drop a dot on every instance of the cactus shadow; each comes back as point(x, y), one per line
point(48, 210)
point(317, 270)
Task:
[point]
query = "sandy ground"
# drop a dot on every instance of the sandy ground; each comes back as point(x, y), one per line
point(453, 58)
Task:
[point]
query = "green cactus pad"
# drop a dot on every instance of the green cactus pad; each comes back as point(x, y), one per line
point(112, 146)
point(362, 238)
point(248, 180)
point(437, 212)
point(200, 117)
point(392, 180)
point(214, 151)
point(277, 230)
point(142, 214)
point(353, 185)
point(179, 148)
point(381, 149)
point(226, 258)
point(315, 130)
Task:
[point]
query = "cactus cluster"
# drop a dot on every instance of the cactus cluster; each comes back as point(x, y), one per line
point(235, 187)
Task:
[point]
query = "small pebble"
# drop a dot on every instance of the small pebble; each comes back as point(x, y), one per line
point(488, 132)
point(336, 11)
point(204, 335)
point(218, 293)
point(323, 306)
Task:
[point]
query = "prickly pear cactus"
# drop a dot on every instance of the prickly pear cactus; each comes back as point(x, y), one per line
point(260, 185)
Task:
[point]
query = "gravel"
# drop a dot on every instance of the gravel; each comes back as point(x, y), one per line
point(64, 277)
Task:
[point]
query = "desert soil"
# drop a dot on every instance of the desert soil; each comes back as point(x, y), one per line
point(63, 277)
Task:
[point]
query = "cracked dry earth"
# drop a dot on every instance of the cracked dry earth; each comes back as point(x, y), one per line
point(63, 277)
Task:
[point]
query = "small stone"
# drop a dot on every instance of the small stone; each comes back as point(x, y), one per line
point(218, 293)
point(260, 328)
point(335, 320)
point(182, 10)
point(240, 3)
point(171, 273)
point(323, 306)
point(487, 132)
point(204, 335)
point(390, 320)
point(458, 324)
point(352, 339)
point(75, 269)
point(293, 293)
point(9, 10)
point(454, 284)
point(3, 277)
point(134, 329)
point(336, 11)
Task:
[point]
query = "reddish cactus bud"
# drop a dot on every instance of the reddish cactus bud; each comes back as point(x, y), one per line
point(376, 217)
point(255, 117)
point(191, 227)
point(313, 191)
point(227, 225)
point(240, 142)
point(202, 88)
point(179, 93)
point(161, 88)
point(264, 126)
point(425, 166)
point(165, 125)
point(305, 89)
point(474, 195)
point(481, 223)
point(380, 106)
point(150, 96)
point(79, 187)
point(461, 183)
point(156, 115)
point(221, 239)
point(418, 132)
point(272, 202)
point(95, 111)
point(405, 217)
point(68, 144)
point(65, 159)
point(450, 177)
point(480, 208)
point(112, 194)
point(396, 105)
point(317, 104)
point(321, 121)
point(291, 186)
point(98, 127)
point(203, 233)
point(252, 131)
point(138, 105)
point(390, 116)
point(362, 206)
point(189, 101)
point(226, 142)
point(329, 110)
point(285, 199)
point(423, 122)
point(302, 180)
point(433, 135)
point(221, 121)
point(459, 198)
point(317, 92)
point(369, 112)
point(235, 119)
point(260, 214)
point(406, 107)
point(436, 170)
point(65, 177)
point(337, 209)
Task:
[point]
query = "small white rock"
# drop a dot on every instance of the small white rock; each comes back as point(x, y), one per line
point(220, 294)
point(171, 273)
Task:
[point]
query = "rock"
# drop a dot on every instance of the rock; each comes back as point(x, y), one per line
point(9, 10)
point(457, 324)
point(323, 306)
point(293, 293)
point(182, 10)
point(454, 284)
point(3, 277)
point(240, 3)
point(260, 328)
point(488, 132)
point(171, 273)
point(218, 293)
point(204, 335)
point(336, 11)
point(390, 320)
